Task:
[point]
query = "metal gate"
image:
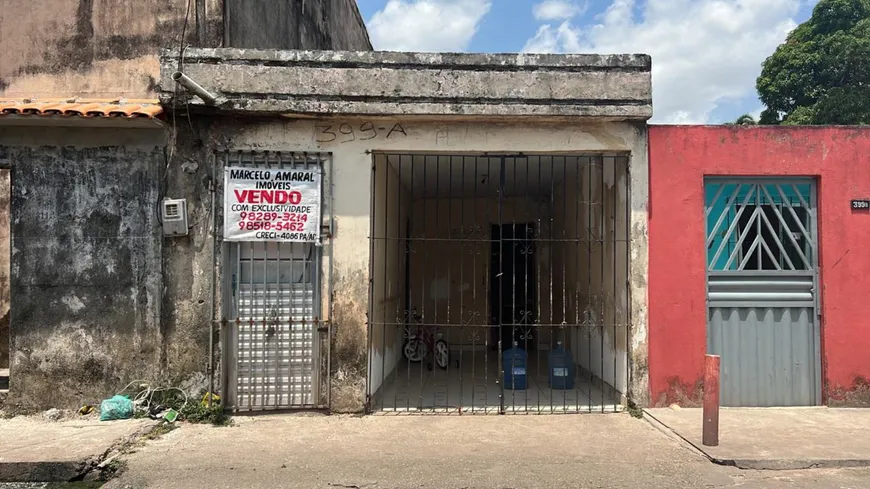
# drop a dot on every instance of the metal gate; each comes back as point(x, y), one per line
point(272, 306)
point(762, 283)
point(499, 283)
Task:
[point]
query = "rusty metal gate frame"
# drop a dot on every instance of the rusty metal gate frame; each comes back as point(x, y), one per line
point(320, 328)
point(582, 325)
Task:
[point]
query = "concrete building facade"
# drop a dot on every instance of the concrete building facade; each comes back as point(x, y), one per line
point(382, 124)
point(85, 149)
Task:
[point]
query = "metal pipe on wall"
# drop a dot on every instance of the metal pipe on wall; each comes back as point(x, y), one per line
point(214, 319)
point(329, 325)
point(194, 88)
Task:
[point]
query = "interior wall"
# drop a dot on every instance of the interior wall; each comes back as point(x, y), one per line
point(391, 209)
point(593, 254)
point(450, 278)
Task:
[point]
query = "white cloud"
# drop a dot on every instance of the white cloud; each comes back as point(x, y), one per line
point(704, 52)
point(426, 25)
point(557, 10)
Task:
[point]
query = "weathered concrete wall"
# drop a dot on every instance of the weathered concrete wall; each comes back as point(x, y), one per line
point(186, 311)
point(614, 87)
point(86, 276)
point(5, 250)
point(351, 148)
point(94, 48)
point(680, 157)
point(312, 24)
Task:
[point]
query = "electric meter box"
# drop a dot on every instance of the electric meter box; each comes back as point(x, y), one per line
point(174, 214)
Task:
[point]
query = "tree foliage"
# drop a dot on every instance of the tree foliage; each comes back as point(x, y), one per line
point(745, 120)
point(821, 73)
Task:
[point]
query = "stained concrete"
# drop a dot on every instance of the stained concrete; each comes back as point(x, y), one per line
point(777, 438)
point(34, 450)
point(88, 48)
point(312, 24)
point(380, 452)
point(85, 262)
point(610, 87)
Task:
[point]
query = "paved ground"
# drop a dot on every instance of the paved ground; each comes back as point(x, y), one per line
point(376, 452)
point(472, 387)
point(34, 449)
point(773, 438)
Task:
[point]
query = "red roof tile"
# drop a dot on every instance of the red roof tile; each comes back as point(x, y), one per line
point(82, 108)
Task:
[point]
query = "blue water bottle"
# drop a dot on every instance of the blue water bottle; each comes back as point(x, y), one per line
point(561, 369)
point(514, 363)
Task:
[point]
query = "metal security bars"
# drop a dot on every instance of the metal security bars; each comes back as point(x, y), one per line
point(760, 226)
point(272, 309)
point(762, 282)
point(499, 283)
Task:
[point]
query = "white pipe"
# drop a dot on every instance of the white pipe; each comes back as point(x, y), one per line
point(186, 82)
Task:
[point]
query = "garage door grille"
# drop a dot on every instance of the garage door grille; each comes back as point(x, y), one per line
point(499, 283)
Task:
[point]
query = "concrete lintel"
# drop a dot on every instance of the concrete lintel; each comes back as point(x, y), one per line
point(390, 59)
point(613, 87)
point(295, 107)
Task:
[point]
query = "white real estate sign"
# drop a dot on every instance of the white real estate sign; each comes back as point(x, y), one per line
point(267, 204)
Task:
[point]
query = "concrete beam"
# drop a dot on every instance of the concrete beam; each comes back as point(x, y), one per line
point(317, 83)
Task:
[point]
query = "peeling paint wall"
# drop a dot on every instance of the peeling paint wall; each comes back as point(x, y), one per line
point(352, 142)
point(94, 48)
point(85, 262)
point(110, 48)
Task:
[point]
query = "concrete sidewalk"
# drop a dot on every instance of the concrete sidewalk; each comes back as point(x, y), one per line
point(36, 450)
point(777, 438)
point(444, 452)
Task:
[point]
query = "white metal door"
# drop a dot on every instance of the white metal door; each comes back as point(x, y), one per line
point(272, 310)
point(275, 325)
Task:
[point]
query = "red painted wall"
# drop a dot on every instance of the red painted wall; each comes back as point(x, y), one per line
point(680, 157)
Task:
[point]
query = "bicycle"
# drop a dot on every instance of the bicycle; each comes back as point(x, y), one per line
point(423, 339)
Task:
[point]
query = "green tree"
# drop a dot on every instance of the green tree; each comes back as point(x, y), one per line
point(745, 120)
point(821, 73)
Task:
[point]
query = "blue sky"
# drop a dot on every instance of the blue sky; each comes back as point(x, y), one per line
point(706, 53)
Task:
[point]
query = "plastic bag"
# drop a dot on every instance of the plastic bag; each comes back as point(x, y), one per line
point(118, 407)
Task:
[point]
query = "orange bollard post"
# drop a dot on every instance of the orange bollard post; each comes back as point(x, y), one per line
point(710, 436)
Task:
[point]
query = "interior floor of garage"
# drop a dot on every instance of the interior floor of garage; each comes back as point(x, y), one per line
point(470, 386)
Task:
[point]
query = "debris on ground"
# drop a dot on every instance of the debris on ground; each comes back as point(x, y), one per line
point(53, 415)
point(116, 407)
